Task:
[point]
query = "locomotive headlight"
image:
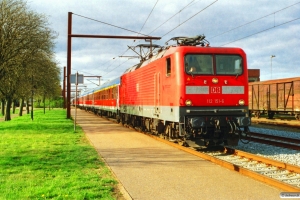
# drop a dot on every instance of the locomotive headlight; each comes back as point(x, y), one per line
point(215, 80)
point(188, 102)
point(241, 102)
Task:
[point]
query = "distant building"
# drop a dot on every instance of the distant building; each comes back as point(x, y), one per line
point(253, 75)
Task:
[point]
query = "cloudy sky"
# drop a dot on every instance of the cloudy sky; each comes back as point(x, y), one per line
point(262, 28)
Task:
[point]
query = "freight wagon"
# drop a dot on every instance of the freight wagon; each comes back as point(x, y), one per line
point(281, 96)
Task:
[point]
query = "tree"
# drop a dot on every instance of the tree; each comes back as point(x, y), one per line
point(2, 101)
point(24, 35)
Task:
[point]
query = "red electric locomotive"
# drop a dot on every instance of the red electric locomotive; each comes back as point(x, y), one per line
point(188, 92)
point(184, 92)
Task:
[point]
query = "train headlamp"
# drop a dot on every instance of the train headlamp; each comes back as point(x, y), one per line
point(188, 102)
point(241, 102)
point(215, 80)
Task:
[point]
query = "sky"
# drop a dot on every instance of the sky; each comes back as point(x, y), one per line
point(261, 28)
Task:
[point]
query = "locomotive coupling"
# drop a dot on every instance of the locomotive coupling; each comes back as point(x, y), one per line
point(243, 121)
point(197, 122)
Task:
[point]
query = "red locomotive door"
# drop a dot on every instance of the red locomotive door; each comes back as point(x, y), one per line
point(157, 93)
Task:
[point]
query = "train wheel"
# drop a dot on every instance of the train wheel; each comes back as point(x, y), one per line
point(167, 132)
point(147, 125)
point(183, 143)
point(271, 115)
point(257, 114)
point(233, 141)
point(245, 138)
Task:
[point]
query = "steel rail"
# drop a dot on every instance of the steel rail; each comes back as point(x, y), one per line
point(286, 139)
point(279, 164)
point(281, 141)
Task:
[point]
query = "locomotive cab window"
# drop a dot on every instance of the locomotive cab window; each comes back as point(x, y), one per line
point(229, 64)
point(168, 66)
point(198, 64)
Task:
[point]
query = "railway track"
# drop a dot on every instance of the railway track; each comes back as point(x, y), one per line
point(276, 122)
point(285, 142)
point(276, 173)
point(271, 172)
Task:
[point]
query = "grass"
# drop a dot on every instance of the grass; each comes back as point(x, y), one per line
point(45, 159)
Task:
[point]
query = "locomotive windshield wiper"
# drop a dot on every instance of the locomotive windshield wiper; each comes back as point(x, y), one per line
point(192, 74)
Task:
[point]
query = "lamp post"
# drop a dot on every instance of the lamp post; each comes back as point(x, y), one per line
point(272, 56)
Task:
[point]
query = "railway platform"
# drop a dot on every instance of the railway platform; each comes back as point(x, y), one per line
point(149, 169)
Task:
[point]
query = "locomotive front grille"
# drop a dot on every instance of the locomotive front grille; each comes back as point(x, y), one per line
point(239, 115)
point(216, 110)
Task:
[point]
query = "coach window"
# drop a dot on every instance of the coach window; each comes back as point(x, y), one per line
point(229, 64)
point(168, 67)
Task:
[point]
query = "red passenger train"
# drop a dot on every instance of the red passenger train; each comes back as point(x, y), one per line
point(187, 91)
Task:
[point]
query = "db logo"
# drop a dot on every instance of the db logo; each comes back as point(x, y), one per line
point(215, 90)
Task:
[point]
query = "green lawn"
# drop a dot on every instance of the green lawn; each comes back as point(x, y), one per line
point(45, 159)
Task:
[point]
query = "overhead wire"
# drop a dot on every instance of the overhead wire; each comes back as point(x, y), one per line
point(190, 17)
point(149, 16)
point(146, 21)
point(110, 24)
point(175, 15)
point(262, 31)
point(81, 71)
point(138, 33)
point(171, 17)
point(117, 67)
point(140, 29)
point(255, 20)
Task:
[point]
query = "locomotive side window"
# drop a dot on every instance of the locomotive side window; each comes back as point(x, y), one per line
point(229, 64)
point(198, 64)
point(168, 66)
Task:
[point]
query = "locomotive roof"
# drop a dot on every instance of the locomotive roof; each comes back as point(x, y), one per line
point(181, 41)
point(160, 54)
point(147, 57)
point(171, 49)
